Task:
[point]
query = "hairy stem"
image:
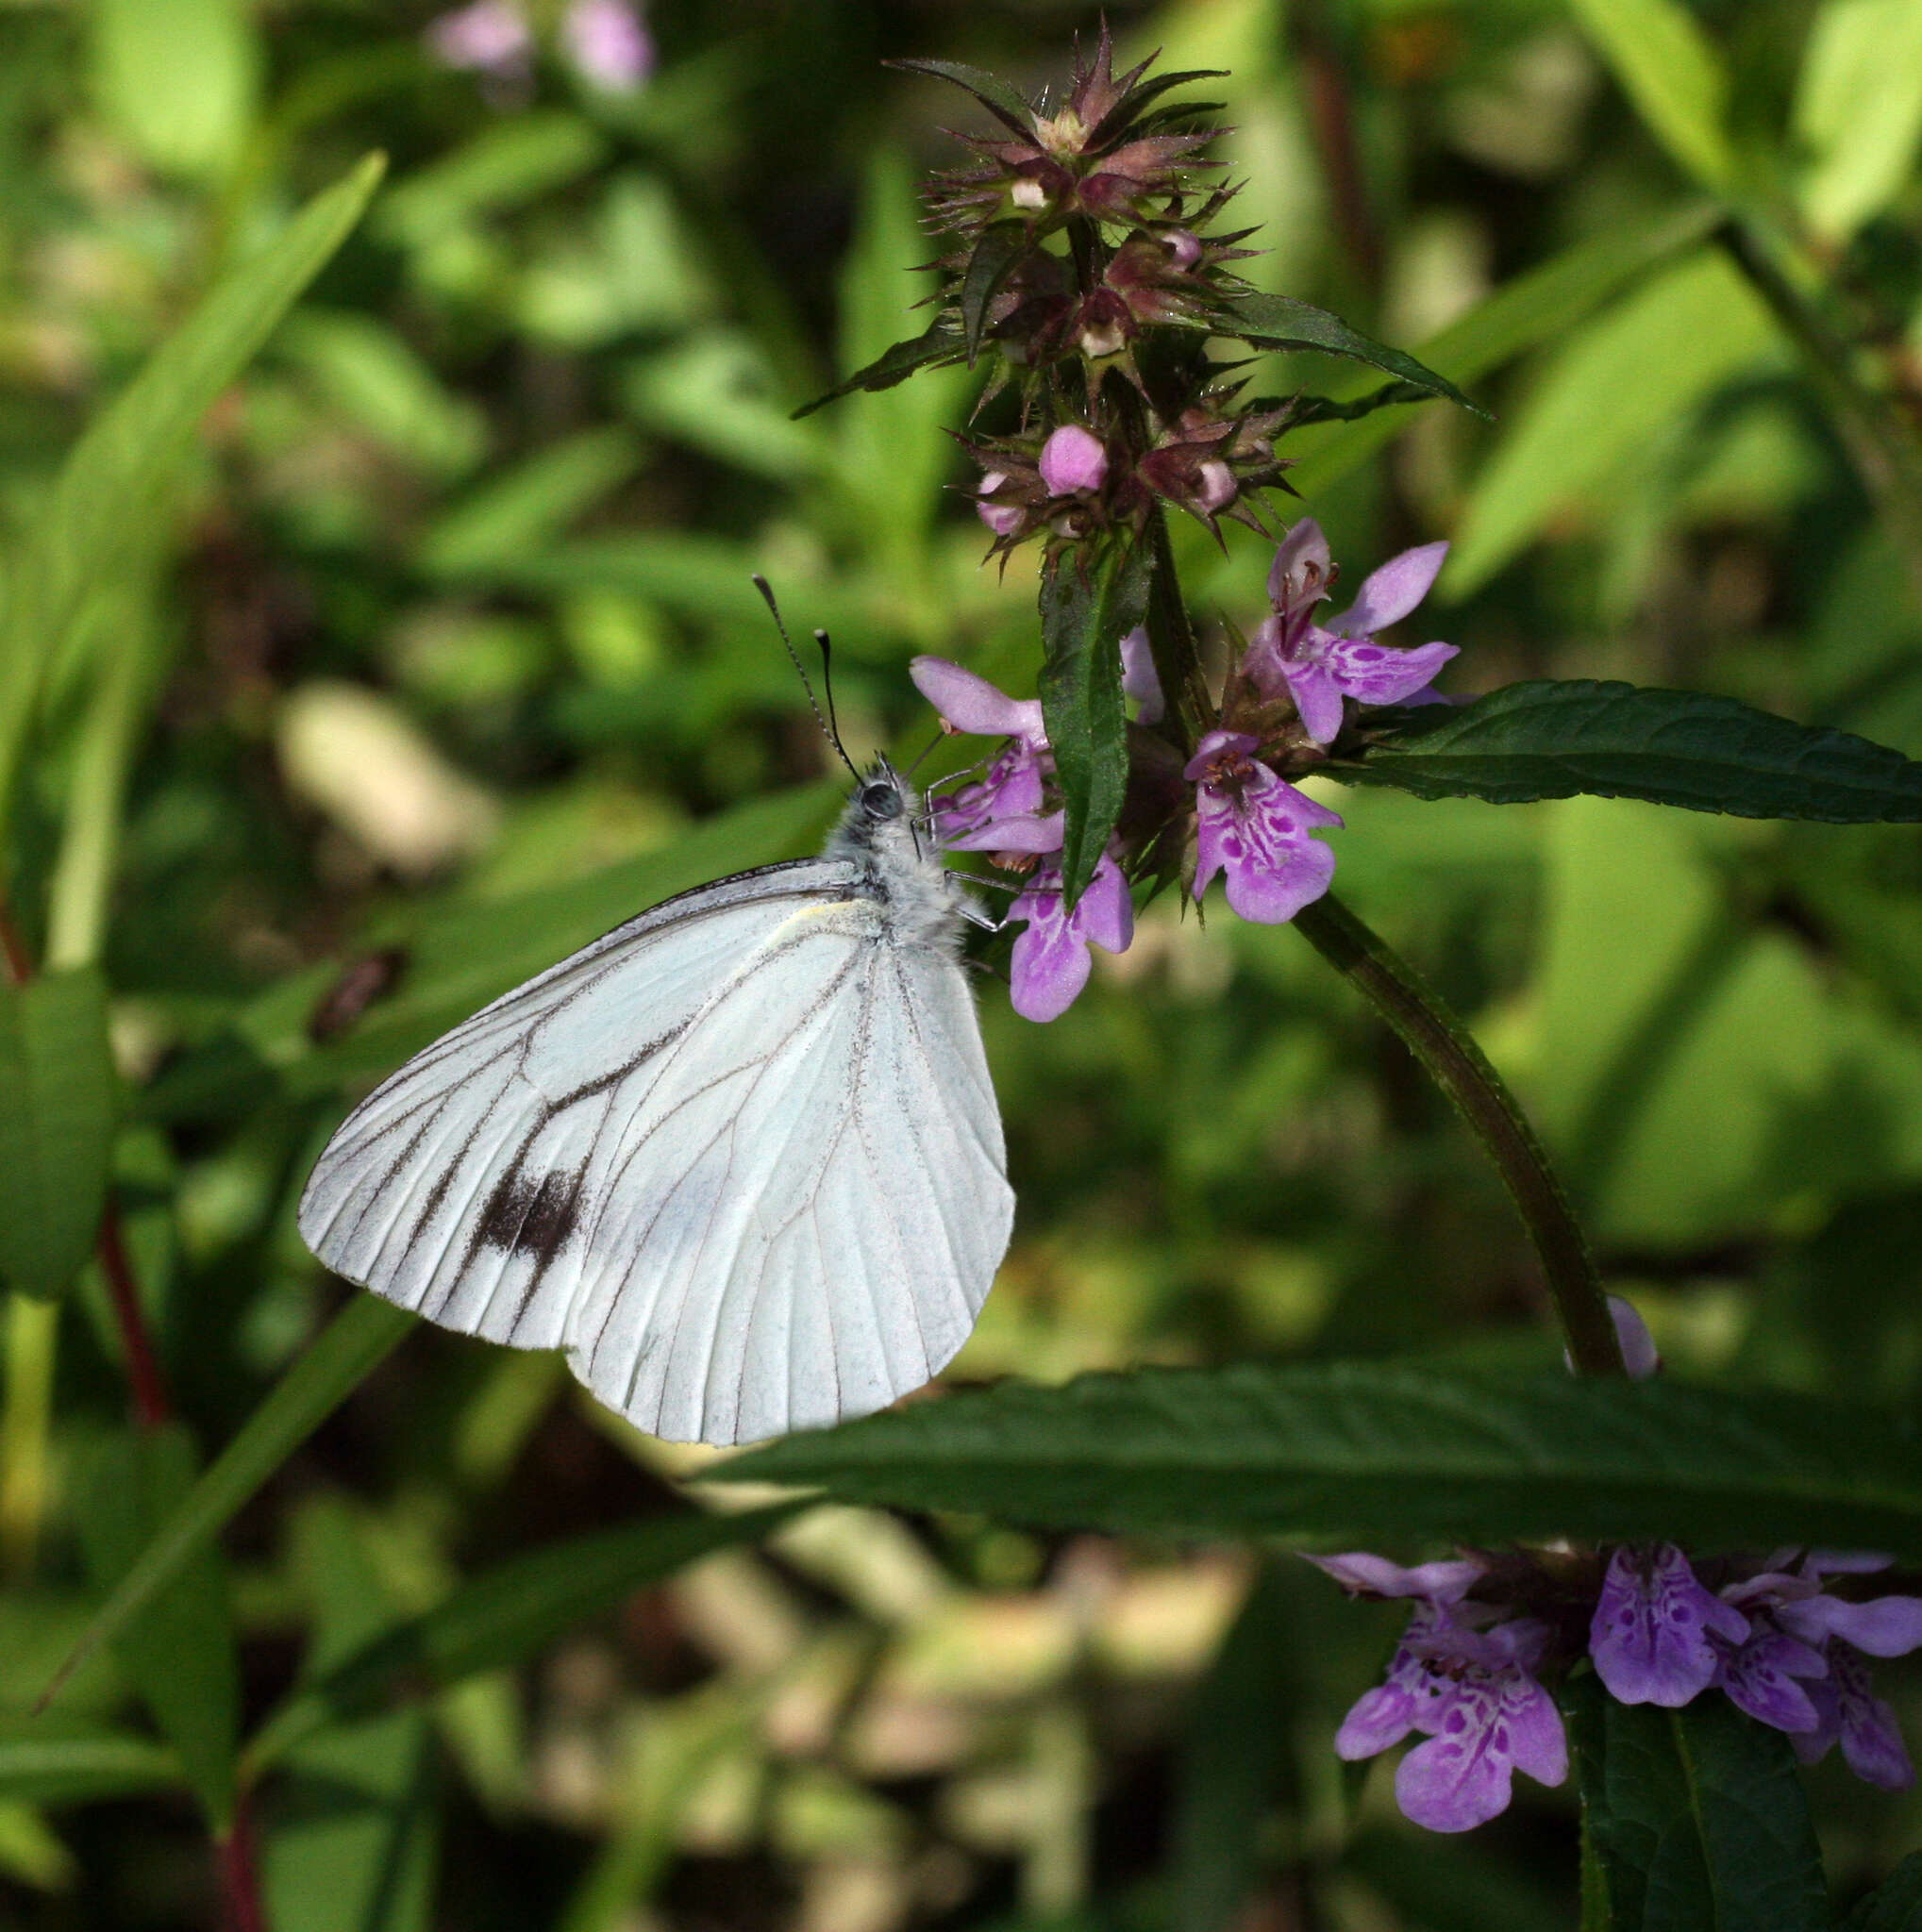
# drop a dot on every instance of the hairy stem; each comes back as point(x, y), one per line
point(1445, 1047)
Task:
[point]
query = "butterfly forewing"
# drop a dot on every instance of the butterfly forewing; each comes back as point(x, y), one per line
point(741, 1158)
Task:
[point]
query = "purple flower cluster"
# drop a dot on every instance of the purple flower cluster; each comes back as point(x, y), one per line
point(1778, 1643)
point(1251, 827)
point(605, 42)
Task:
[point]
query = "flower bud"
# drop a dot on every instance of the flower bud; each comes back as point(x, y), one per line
point(1002, 518)
point(1028, 193)
point(1218, 487)
point(1072, 460)
point(1184, 247)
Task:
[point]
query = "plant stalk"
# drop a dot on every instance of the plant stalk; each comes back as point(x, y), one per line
point(1445, 1046)
point(1886, 459)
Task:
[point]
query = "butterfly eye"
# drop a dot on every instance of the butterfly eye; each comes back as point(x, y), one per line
point(880, 800)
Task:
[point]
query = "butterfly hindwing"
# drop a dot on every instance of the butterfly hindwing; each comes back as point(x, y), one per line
point(741, 1158)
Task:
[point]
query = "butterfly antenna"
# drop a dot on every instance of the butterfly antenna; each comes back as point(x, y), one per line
point(825, 719)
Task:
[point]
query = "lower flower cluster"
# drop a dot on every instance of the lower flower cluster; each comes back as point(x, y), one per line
point(1772, 1634)
point(1285, 700)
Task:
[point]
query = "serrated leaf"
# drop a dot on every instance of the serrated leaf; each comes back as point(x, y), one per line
point(505, 1616)
point(991, 91)
point(1673, 74)
point(336, 1362)
point(45, 1762)
point(1554, 738)
point(940, 341)
point(98, 506)
point(1279, 322)
point(59, 1097)
point(1088, 605)
point(1691, 1818)
point(1002, 244)
point(1895, 1905)
point(1129, 108)
point(1379, 1449)
point(179, 1652)
point(1304, 411)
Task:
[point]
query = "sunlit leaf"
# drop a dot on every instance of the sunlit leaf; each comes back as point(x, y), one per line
point(1858, 109)
point(1607, 395)
point(514, 514)
point(59, 1097)
point(1672, 75)
point(338, 1360)
point(98, 508)
point(1555, 738)
point(44, 1761)
point(1379, 1449)
point(1691, 1818)
point(179, 77)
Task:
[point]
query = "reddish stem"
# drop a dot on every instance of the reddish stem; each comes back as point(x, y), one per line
point(151, 1407)
point(1332, 114)
point(242, 1908)
point(13, 953)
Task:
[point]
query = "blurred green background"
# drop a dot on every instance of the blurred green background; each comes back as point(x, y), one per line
point(444, 657)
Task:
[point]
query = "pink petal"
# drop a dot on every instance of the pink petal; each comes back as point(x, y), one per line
point(1317, 697)
point(1444, 1582)
point(1388, 594)
point(1073, 460)
point(1378, 673)
point(970, 704)
point(1288, 582)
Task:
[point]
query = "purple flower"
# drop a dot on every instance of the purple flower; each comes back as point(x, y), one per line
point(1255, 828)
point(1489, 1719)
point(1050, 962)
point(1004, 518)
point(1640, 1357)
point(488, 37)
point(1651, 1633)
point(1472, 1694)
point(1001, 811)
point(1319, 665)
point(1760, 1675)
point(1362, 1574)
point(608, 43)
point(1140, 680)
point(1073, 460)
point(1847, 1712)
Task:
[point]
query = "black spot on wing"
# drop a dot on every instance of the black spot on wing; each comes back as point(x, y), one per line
point(528, 1217)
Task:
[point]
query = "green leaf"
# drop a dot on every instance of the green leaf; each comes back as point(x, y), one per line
point(1536, 308)
point(1279, 322)
point(991, 91)
point(178, 78)
point(1859, 111)
point(1305, 410)
point(1553, 737)
point(515, 514)
point(354, 1840)
point(1894, 1907)
point(1672, 75)
point(1606, 397)
point(1088, 605)
point(338, 1360)
point(179, 1652)
point(45, 1762)
point(940, 341)
point(100, 505)
point(1001, 246)
point(1691, 1818)
point(1379, 1449)
point(523, 158)
point(504, 1617)
point(59, 1096)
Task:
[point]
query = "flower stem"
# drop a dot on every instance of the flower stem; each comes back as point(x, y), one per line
point(242, 1908)
point(1445, 1046)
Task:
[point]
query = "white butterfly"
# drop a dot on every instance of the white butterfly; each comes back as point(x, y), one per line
point(740, 1158)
